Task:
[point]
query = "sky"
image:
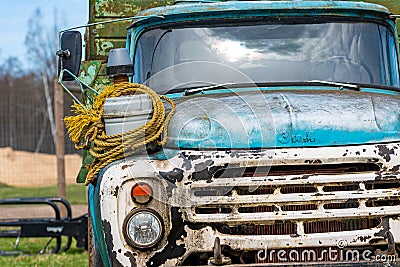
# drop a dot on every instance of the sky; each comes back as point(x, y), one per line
point(15, 15)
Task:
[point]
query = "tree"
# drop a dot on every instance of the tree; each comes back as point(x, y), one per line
point(42, 44)
point(11, 69)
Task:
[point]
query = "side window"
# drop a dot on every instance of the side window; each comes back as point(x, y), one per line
point(389, 57)
point(384, 33)
point(393, 60)
point(136, 66)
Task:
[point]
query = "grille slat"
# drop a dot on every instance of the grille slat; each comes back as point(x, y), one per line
point(299, 198)
point(320, 192)
point(339, 225)
point(309, 169)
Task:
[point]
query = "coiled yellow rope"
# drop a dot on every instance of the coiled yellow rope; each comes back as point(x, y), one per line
point(87, 127)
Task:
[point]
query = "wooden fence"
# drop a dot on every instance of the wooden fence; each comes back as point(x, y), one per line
point(27, 150)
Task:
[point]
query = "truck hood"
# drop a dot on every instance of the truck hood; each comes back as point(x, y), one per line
point(279, 119)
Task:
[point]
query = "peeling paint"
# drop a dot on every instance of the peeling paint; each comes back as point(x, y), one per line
point(224, 202)
point(385, 152)
point(109, 242)
point(172, 250)
point(176, 175)
point(131, 257)
point(116, 191)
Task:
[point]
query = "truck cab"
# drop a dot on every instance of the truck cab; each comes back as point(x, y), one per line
point(284, 146)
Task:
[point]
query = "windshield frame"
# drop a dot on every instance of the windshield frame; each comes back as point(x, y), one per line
point(388, 24)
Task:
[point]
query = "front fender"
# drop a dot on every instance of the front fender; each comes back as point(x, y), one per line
point(95, 213)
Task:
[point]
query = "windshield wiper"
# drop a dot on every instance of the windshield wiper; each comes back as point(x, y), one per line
point(199, 89)
point(337, 84)
point(340, 85)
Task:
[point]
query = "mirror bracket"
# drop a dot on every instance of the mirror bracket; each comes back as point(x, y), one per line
point(64, 53)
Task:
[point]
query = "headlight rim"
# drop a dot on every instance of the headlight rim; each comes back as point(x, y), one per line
point(130, 241)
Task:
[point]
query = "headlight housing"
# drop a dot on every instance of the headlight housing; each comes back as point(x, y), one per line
point(143, 228)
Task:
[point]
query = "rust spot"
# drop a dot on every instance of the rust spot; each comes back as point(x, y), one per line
point(125, 166)
point(110, 245)
point(115, 194)
point(395, 168)
point(131, 258)
point(300, 178)
point(187, 163)
point(204, 174)
point(176, 175)
point(171, 250)
point(385, 152)
point(191, 157)
point(315, 161)
point(385, 225)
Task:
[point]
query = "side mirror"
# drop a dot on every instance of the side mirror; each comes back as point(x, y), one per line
point(70, 54)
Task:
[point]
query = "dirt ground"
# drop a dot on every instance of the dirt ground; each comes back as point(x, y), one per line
point(38, 211)
point(27, 169)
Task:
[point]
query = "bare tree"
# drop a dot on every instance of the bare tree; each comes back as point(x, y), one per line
point(42, 44)
point(10, 69)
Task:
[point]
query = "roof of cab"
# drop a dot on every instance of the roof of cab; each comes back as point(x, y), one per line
point(205, 6)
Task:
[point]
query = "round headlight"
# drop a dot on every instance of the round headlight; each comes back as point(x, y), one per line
point(143, 228)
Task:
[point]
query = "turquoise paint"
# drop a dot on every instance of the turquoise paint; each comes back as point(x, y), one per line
point(295, 139)
point(299, 136)
point(255, 119)
point(94, 208)
point(243, 9)
point(310, 7)
point(194, 138)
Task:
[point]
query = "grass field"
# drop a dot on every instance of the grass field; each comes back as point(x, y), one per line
point(30, 247)
point(74, 257)
point(76, 193)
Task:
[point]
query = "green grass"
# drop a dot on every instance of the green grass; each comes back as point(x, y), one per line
point(76, 194)
point(74, 257)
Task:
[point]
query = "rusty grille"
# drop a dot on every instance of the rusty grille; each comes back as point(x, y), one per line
point(287, 228)
point(309, 169)
point(305, 192)
point(339, 225)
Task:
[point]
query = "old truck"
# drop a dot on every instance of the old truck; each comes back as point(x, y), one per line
point(284, 147)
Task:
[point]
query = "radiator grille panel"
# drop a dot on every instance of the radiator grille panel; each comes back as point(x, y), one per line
point(303, 204)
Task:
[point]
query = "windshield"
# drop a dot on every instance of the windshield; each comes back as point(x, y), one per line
point(186, 57)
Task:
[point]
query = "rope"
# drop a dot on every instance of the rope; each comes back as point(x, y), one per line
point(87, 128)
